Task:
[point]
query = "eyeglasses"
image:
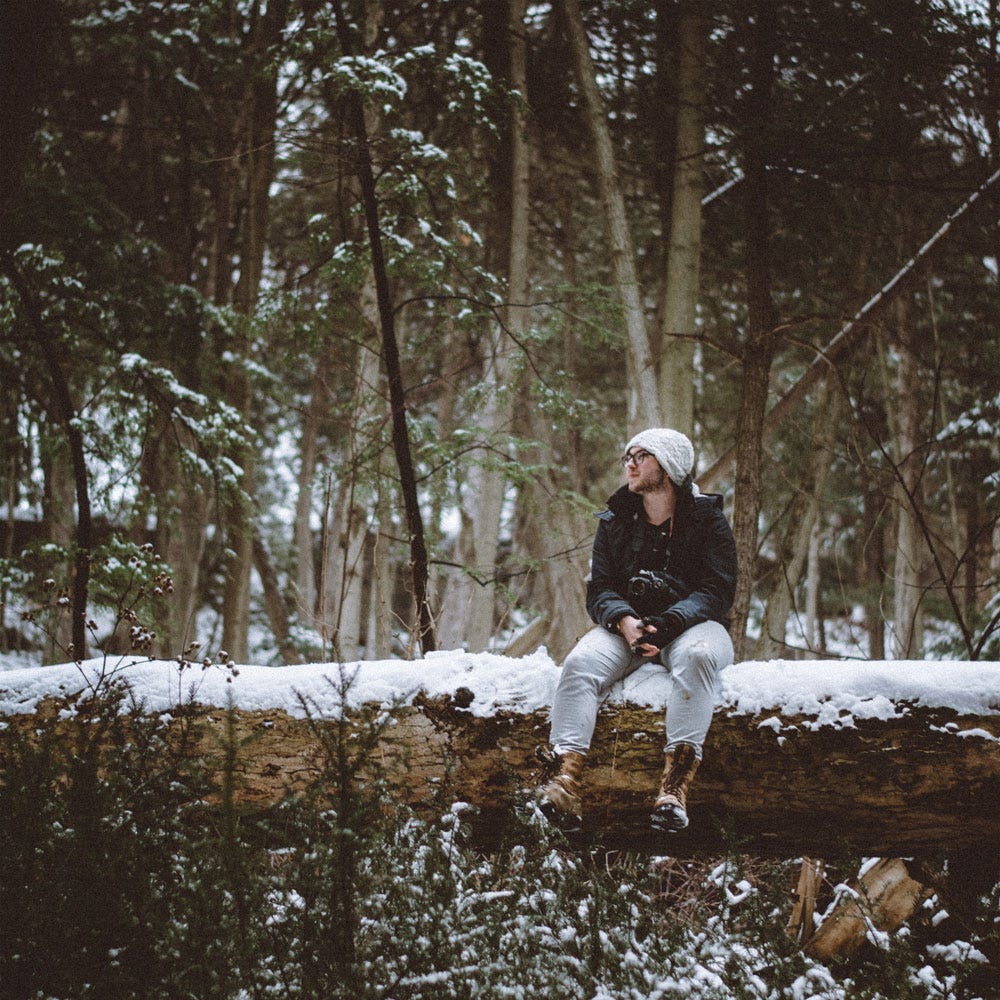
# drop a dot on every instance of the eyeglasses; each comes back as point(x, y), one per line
point(635, 457)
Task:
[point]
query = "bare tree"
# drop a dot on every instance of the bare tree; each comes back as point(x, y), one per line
point(908, 414)
point(644, 408)
point(253, 154)
point(762, 335)
point(468, 615)
point(681, 284)
point(802, 522)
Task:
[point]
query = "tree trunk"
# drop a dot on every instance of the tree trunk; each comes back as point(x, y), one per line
point(813, 605)
point(255, 151)
point(182, 515)
point(970, 577)
point(316, 409)
point(677, 351)
point(747, 496)
point(909, 558)
point(455, 598)
point(644, 408)
point(452, 554)
point(329, 535)
point(238, 559)
point(556, 540)
point(357, 494)
point(390, 356)
point(871, 567)
point(759, 349)
point(278, 612)
point(559, 544)
point(64, 410)
point(382, 582)
point(345, 575)
point(58, 525)
point(468, 619)
point(801, 524)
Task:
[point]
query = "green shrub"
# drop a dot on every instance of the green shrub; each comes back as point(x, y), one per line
point(108, 889)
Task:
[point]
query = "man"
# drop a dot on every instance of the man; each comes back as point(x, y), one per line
point(661, 584)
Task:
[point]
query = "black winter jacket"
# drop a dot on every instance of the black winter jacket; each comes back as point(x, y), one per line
point(701, 554)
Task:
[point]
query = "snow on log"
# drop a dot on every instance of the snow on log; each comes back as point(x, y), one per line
point(803, 758)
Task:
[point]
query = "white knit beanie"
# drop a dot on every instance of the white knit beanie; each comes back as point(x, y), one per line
point(672, 450)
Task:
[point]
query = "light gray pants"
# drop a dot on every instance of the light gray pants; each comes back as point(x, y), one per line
point(601, 658)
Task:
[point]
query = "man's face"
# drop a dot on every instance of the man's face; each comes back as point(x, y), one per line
point(643, 472)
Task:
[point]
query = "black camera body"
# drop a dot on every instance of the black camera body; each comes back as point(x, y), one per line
point(652, 591)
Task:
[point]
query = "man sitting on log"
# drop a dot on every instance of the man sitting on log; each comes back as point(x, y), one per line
point(661, 584)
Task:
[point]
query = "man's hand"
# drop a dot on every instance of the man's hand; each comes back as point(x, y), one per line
point(635, 632)
point(632, 630)
point(661, 630)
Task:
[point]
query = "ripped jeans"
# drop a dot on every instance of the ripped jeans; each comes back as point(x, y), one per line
point(602, 658)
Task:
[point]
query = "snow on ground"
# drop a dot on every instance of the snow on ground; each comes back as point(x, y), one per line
point(829, 692)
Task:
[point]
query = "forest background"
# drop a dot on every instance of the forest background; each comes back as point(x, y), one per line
point(323, 324)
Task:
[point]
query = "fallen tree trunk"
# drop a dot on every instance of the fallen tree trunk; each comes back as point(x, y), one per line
point(905, 786)
point(925, 783)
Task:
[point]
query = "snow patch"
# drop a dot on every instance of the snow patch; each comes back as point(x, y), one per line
point(824, 692)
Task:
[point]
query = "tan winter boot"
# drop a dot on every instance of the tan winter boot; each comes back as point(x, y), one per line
point(670, 809)
point(560, 798)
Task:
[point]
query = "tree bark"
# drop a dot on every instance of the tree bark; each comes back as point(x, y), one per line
point(182, 515)
point(344, 578)
point(871, 568)
point(814, 615)
point(378, 637)
point(356, 495)
point(677, 350)
point(556, 539)
point(644, 408)
point(59, 526)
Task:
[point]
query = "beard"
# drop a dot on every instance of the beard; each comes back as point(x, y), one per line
point(653, 482)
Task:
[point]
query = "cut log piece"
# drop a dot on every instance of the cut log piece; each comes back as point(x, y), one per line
point(801, 923)
point(878, 902)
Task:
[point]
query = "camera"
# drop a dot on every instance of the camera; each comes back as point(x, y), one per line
point(651, 591)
